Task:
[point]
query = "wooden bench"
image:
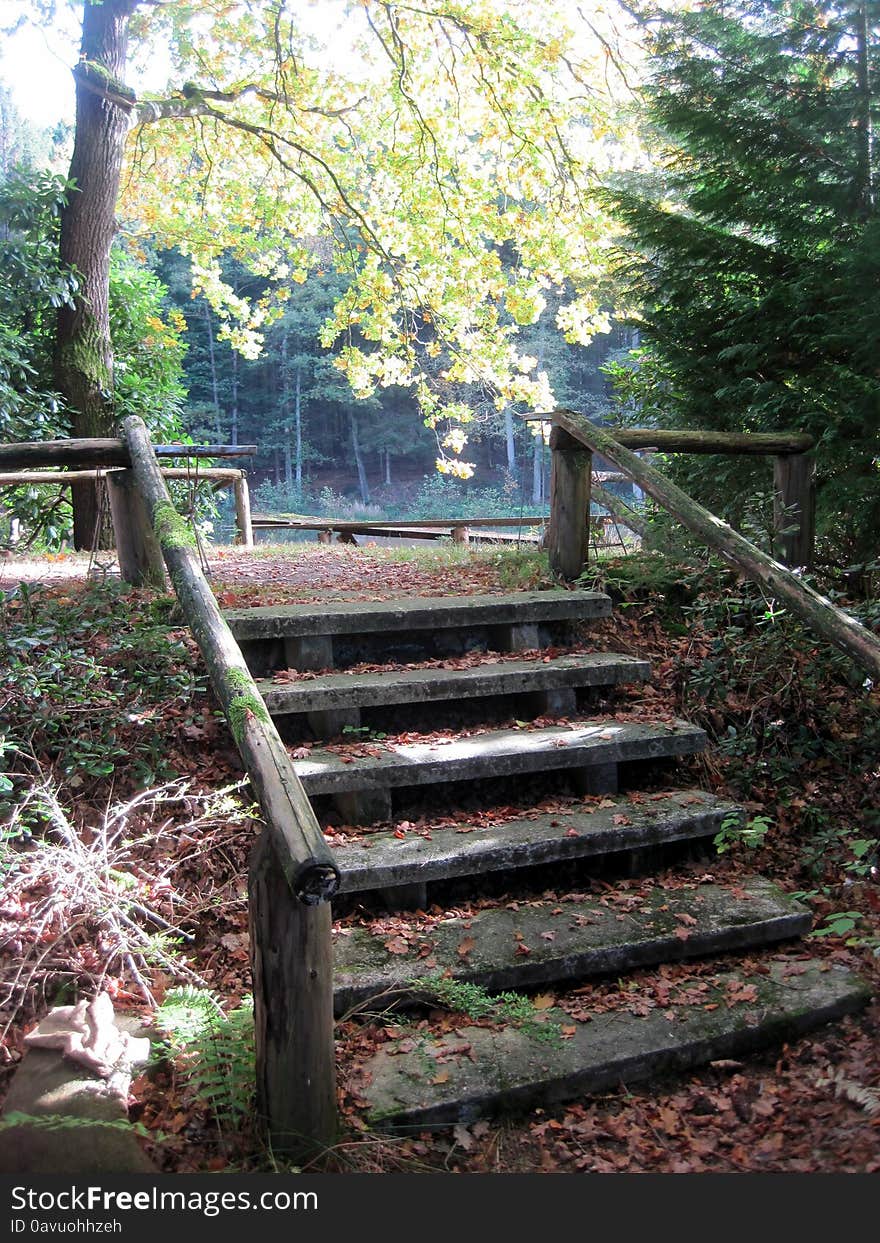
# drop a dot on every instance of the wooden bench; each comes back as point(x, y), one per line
point(489, 529)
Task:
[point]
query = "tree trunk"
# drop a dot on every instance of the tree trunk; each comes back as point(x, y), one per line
point(233, 430)
point(359, 459)
point(212, 360)
point(538, 469)
point(864, 187)
point(510, 443)
point(83, 350)
point(297, 422)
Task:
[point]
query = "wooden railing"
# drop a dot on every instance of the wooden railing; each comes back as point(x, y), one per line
point(218, 476)
point(571, 464)
point(293, 874)
point(82, 460)
point(578, 439)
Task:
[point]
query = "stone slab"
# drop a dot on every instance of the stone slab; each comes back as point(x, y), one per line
point(605, 935)
point(381, 860)
point(410, 686)
point(498, 753)
point(416, 612)
point(511, 1069)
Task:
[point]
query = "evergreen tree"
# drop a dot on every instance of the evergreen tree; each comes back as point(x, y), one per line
point(758, 267)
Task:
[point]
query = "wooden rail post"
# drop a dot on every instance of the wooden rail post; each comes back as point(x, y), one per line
point(140, 558)
point(292, 979)
point(243, 512)
point(794, 508)
point(568, 532)
point(293, 872)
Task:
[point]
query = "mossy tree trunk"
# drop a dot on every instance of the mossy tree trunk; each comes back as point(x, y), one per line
point(83, 349)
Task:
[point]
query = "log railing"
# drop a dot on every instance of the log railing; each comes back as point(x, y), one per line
point(218, 476)
point(570, 469)
point(583, 438)
point(293, 874)
point(33, 454)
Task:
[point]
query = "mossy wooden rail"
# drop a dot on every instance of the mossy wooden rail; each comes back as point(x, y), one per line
point(582, 439)
point(570, 469)
point(293, 873)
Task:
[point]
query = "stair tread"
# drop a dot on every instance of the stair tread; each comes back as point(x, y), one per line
point(421, 1080)
point(415, 612)
point(395, 686)
point(497, 753)
point(381, 860)
point(523, 944)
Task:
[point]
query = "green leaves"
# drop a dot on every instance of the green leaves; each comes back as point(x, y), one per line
point(439, 158)
point(757, 262)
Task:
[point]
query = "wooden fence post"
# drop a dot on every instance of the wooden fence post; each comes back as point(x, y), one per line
point(833, 624)
point(568, 532)
point(794, 506)
point(243, 512)
point(140, 557)
point(292, 966)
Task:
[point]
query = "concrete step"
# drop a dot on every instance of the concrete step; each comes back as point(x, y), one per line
point(594, 747)
point(551, 941)
point(315, 636)
point(616, 824)
point(420, 1079)
point(554, 679)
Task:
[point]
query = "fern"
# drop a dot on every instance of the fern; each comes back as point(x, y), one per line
point(214, 1049)
point(67, 1122)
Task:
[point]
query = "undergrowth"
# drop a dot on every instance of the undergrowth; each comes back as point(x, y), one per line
point(794, 724)
point(91, 683)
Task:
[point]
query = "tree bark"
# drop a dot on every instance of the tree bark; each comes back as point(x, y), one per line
point(83, 350)
point(510, 443)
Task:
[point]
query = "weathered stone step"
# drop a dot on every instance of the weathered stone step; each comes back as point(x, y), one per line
point(415, 613)
point(420, 1080)
point(324, 636)
point(348, 692)
point(381, 860)
point(596, 747)
point(553, 941)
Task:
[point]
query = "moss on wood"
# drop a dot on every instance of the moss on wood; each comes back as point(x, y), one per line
point(243, 701)
point(171, 530)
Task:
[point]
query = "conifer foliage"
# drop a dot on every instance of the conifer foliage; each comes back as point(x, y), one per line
point(758, 261)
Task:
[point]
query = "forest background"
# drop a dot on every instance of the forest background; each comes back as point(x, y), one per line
point(368, 238)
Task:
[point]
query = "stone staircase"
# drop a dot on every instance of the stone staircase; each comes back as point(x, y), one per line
point(555, 914)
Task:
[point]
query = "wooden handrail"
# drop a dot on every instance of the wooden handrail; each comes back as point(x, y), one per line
point(108, 451)
point(759, 444)
point(794, 497)
point(832, 623)
point(22, 478)
point(293, 872)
